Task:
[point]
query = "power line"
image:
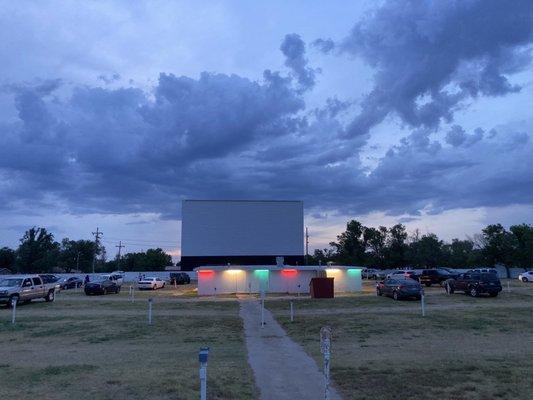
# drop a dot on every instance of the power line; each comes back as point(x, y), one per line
point(140, 240)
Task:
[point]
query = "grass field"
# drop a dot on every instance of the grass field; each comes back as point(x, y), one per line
point(465, 348)
point(102, 348)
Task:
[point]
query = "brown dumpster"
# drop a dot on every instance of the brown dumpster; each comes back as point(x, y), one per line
point(321, 288)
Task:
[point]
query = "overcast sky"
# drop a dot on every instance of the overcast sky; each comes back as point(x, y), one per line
point(111, 113)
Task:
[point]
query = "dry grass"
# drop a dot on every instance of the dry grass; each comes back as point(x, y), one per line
point(464, 348)
point(102, 348)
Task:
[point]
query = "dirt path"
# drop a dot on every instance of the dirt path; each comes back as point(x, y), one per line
point(282, 369)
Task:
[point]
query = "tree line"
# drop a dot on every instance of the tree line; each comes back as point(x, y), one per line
point(39, 252)
point(394, 248)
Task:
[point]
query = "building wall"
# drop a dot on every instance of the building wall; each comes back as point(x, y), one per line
point(287, 280)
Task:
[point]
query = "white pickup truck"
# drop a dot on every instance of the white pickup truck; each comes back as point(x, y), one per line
point(25, 288)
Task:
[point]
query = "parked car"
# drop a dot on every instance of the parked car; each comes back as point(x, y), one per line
point(399, 288)
point(484, 270)
point(179, 278)
point(102, 286)
point(50, 279)
point(24, 289)
point(526, 276)
point(430, 277)
point(71, 283)
point(369, 273)
point(151, 283)
point(474, 284)
point(401, 274)
point(114, 277)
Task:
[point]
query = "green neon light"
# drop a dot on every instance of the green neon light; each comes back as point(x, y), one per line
point(262, 273)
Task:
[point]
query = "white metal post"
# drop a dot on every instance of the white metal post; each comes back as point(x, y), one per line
point(422, 302)
point(202, 357)
point(292, 312)
point(508, 286)
point(325, 348)
point(262, 312)
point(14, 314)
point(150, 311)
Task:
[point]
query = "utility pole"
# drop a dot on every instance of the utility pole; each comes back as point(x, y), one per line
point(78, 261)
point(97, 235)
point(120, 246)
point(306, 245)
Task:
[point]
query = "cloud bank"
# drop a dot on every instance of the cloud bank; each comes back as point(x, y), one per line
point(125, 149)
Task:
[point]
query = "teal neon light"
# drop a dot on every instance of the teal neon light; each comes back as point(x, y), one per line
point(262, 273)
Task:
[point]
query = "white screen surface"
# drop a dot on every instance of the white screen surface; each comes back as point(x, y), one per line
point(242, 228)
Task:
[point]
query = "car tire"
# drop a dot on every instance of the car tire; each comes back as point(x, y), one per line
point(51, 296)
point(395, 295)
point(524, 279)
point(14, 298)
point(473, 291)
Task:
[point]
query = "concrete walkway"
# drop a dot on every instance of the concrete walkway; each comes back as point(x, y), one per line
point(282, 368)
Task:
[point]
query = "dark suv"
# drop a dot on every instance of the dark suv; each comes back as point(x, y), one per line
point(179, 278)
point(475, 284)
point(430, 277)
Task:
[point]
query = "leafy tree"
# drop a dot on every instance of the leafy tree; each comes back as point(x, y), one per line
point(76, 254)
point(523, 255)
point(376, 240)
point(499, 246)
point(151, 260)
point(7, 258)
point(350, 245)
point(426, 251)
point(397, 247)
point(322, 256)
point(460, 253)
point(37, 252)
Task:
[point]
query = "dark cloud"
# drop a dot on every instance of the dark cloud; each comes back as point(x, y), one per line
point(324, 45)
point(457, 136)
point(108, 79)
point(113, 149)
point(293, 48)
point(431, 57)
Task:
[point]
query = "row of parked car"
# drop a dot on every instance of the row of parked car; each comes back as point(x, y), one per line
point(406, 284)
point(24, 288)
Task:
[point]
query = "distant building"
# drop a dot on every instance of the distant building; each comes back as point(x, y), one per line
point(241, 232)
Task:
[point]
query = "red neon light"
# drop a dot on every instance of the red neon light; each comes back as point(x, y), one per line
point(206, 272)
point(289, 272)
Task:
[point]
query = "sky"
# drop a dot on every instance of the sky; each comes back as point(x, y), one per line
point(414, 112)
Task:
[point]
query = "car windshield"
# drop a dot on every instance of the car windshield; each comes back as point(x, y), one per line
point(10, 282)
point(100, 279)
